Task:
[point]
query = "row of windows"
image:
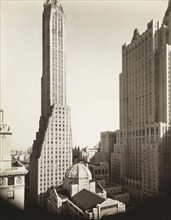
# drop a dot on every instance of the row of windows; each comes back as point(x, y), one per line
point(141, 132)
point(101, 171)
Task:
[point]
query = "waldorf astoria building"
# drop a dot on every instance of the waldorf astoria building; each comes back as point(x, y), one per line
point(141, 160)
point(52, 149)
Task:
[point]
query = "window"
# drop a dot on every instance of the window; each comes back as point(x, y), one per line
point(11, 181)
point(10, 194)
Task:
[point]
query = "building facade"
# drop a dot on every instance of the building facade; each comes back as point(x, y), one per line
point(88, 154)
point(142, 155)
point(115, 192)
point(76, 154)
point(107, 141)
point(52, 149)
point(12, 172)
point(99, 170)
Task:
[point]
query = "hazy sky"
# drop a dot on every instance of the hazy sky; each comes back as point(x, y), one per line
point(96, 31)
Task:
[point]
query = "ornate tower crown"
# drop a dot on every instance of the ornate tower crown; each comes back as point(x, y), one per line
point(53, 2)
point(167, 13)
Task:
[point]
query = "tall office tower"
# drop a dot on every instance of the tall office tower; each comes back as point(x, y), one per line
point(142, 154)
point(107, 141)
point(52, 149)
point(12, 172)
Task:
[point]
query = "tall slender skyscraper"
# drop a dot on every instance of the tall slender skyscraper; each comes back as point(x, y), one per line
point(52, 149)
point(142, 155)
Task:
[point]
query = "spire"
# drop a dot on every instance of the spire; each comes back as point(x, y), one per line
point(136, 35)
point(53, 2)
point(168, 8)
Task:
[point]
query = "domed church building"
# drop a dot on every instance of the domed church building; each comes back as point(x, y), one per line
point(82, 196)
point(78, 177)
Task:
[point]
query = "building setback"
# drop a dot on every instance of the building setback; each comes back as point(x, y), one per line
point(141, 159)
point(52, 149)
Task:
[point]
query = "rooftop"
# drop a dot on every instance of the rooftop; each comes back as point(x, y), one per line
point(98, 163)
point(109, 184)
point(99, 188)
point(16, 163)
point(63, 193)
point(16, 169)
point(87, 200)
point(118, 193)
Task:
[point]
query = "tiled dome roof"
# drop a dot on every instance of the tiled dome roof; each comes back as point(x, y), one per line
point(78, 171)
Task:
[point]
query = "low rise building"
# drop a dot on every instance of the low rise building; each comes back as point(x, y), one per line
point(82, 196)
point(121, 196)
point(88, 205)
point(99, 170)
point(112, 187)
point(115, 191)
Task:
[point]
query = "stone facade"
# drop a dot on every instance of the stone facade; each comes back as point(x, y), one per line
point(99, 170)
point(52, 149)
point(141, 157)
point(12, 173)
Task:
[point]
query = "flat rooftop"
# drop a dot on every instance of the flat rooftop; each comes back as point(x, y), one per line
point(109, 184)
point(119, 193)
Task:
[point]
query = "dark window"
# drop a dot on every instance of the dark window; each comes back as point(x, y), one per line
point(11, 181)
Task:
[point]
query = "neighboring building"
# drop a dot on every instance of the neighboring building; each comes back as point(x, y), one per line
point(112, 187)
point(101, 181)
point(99, 170)
point(82, 196)
point(87, 154)
point(52, 149)
point(121, 196)
point(12, 173)
point(76, 154)
point(142, 154)
point(23, 157)
point(115, 192)
point(101, 157)
point(117, 163)
point(107, 141)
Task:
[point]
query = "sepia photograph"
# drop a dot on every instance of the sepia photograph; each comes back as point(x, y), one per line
point(85, 109)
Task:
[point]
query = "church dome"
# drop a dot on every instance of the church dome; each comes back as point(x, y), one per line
point(78, 171)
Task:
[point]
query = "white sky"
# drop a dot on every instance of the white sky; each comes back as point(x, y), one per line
point(96, 31)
